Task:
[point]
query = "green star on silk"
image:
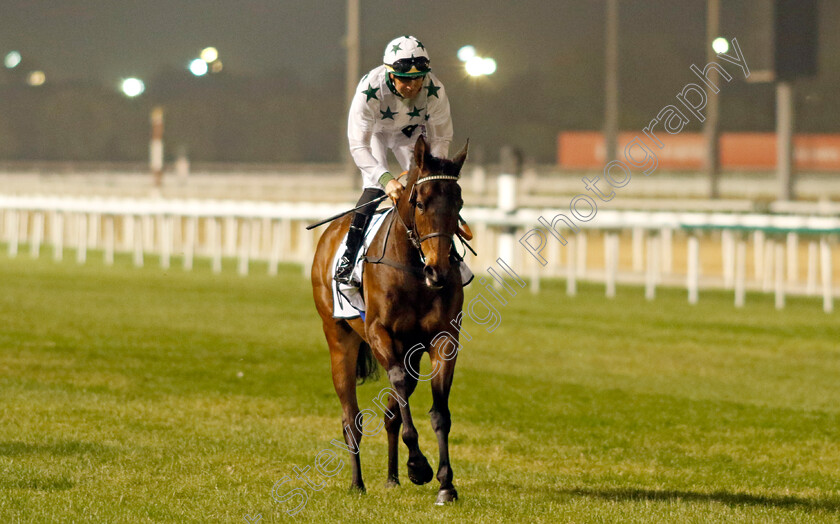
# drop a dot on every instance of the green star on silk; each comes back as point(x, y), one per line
point(395, 48)
point(388, 113)
point(414, 113)
point(420, 44)
point(370, 92)
point(432, 89)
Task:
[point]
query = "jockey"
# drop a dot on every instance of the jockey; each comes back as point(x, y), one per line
point(393, 105)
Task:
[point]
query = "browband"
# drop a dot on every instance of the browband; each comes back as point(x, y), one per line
point(436, 177)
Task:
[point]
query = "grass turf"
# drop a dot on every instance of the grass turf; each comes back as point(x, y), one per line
point(136, 395)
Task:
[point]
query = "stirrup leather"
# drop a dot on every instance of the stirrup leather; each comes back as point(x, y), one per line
point(344, 271)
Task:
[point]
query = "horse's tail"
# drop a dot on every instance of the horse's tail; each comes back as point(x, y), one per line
point(365, 364)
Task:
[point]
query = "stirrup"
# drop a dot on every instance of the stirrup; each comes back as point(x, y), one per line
point(344, 271)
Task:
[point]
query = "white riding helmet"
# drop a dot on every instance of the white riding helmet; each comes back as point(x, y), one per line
point(406, 56)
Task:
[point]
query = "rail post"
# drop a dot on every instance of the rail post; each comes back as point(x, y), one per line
point(506, 201)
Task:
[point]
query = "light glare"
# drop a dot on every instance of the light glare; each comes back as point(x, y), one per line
point(475, 66)
point(132, 87)
point(198, 67)
point(488, 66)
point(12, 59)
point(720, 45)
point(209, 54)
point(36, 78)
point(465, 53)
point(480, 66)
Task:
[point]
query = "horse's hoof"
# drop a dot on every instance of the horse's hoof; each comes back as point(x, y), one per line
point(420, 472)
point(358, 490)
point(392, 483)
point(445, 496)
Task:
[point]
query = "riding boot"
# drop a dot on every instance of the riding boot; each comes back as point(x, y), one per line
point(344, 271)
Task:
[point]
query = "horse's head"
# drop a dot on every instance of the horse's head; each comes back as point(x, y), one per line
point(431, 209)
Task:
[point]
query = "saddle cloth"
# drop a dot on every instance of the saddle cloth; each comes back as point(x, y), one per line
point(348, 301)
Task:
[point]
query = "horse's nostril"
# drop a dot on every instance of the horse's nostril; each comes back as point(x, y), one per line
point(432, 276)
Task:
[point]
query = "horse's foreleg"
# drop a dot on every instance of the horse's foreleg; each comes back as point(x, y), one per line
point(419, 470)
point(441, 422)
point(393, 421)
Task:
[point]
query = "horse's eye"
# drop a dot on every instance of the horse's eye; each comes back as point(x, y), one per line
point(420, 206)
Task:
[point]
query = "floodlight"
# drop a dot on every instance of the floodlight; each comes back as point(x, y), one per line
point(132, 87)
point(198, 67)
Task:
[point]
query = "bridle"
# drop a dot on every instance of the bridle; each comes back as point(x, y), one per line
point(411, 231)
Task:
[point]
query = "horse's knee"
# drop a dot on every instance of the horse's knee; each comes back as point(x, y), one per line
point(396, 375)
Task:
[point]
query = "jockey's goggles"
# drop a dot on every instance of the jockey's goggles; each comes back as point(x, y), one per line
point(416, 66)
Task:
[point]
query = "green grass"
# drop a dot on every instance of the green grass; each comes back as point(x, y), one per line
point(136, 395)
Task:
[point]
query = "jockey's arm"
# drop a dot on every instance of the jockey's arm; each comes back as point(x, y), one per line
point(359, 133)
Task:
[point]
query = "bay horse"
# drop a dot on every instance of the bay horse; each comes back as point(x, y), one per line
point(412, 292)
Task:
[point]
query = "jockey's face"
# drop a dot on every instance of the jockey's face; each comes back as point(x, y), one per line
point(408, 87)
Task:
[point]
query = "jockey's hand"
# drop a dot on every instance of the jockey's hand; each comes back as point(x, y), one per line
point(394, 189)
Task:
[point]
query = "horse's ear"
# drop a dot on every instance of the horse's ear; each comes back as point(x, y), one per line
point(420, 150)
point(413, 175)
point(461, 157)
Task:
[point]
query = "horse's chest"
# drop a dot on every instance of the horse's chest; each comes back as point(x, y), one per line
point(435, 316)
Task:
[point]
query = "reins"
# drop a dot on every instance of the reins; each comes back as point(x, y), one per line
point(386, 261)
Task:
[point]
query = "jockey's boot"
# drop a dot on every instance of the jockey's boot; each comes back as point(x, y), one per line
point(344, 271)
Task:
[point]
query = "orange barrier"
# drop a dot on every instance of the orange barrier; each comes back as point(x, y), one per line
point(817, 152)
point(812, 152)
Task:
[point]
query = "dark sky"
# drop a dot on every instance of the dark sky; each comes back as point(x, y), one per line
point(550, 56)
point(109, 39)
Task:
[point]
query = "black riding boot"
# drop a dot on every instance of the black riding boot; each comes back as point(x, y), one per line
point(354, 241)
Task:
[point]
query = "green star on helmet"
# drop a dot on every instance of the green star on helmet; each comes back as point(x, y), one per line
point(405, 51)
